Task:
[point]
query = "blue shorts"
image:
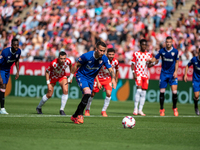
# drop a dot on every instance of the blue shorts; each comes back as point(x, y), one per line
point(83, 83)
point(5, 76)
point(167, 78)
point(196, 86)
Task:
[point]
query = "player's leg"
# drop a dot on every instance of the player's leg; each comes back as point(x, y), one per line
point(196, 89)
point(196, 99)
point(145, 84)
point(138, 83)
point(95, 90)
point(5, 77)
point(64, 97)
point(174, 84)
point(87, 111)
point(108, 88)
point(86, 88)
point(163, 84)
point(45, 97)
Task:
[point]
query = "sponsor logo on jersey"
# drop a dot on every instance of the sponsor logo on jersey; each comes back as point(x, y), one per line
point(196, 63)
point(100, 61)
point(167, 59)
point(8, 57)
point(11, 60)
point(91, 68)
point(163, 53)
point(89, 61)
point(172, 53)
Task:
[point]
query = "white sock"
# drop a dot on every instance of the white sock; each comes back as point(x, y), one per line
point(43, 100)
point(142, 100)
point(89, 103)
point(106, 103)
point(137, 98)
point(64, 99)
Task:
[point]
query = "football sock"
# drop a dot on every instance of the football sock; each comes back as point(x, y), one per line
point(195, 103)
point(89, 103)
point(174, 97)
point(82, 105)
point(106, 103)
point(162, 98)
point(43, 100)
point(142, 100)
point(2, 99)
point(137, 98)
point(64, 99)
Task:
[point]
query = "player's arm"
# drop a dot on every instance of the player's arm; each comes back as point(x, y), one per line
point(47, 76)
point(185, 75)
point(98, 83)
point(152, 64)
point(73, 70)
point(116, 76)
point(133, 70)
point(176, 69)
point(17, 67)
point(112, 74)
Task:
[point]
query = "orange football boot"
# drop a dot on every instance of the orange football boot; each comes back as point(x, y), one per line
point(87, 112)
point(175, 111)
point(80, 118)
point(103, 113)
point(162, 112)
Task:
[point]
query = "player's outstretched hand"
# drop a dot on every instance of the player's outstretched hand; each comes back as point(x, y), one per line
point(185, 78)
point(16, 76)
point(134, 76)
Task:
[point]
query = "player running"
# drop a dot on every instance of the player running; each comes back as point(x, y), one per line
point(57, 73)
point(104, 79)
point(140, 71)
point(8, 56)
point(89, 65)
point(195, 61)
point(168, 74)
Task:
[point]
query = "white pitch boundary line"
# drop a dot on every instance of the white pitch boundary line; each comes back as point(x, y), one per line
point(98, 116)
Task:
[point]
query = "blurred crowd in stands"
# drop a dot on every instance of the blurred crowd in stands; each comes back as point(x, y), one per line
point(74, 26)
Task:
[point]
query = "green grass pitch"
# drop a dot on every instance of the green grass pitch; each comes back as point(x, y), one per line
point(23, 129)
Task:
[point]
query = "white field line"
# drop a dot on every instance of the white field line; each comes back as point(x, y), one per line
point(97, 116)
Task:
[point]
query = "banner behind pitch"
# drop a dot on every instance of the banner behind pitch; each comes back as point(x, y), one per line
point(35, 86)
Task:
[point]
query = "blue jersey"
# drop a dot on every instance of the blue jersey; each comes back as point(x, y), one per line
point(168, 59)
point(90, 66)
point(7, 58)
point(196, 68)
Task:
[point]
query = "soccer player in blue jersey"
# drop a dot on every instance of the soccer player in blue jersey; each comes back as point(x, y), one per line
point(195, 61)
point(8, 56)
point(168, 74)
point(88, 65)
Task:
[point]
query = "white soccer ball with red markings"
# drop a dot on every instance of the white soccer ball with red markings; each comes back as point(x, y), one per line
point(128, 122)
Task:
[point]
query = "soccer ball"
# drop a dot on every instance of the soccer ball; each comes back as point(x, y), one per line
point(128, 122)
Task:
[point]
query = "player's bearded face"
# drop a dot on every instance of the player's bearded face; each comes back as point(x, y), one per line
point(62, 59)
point(100, 50)
point(110, 55)
point(15, 45)
point(169, 43)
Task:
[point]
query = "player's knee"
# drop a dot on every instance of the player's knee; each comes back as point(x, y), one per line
point(65, 92)
point(174, 91)
point(87, 91)
point(2, 90)
point(92, 95)
point(196, 98)
point(162, 90)
point(108, 93)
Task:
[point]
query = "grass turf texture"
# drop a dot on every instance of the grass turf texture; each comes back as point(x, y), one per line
point(23, 129)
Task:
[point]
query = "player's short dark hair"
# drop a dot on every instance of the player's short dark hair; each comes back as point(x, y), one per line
point(142, 40)
point(62, 53)
point(111, 50)
point(14, 39)
point(169, 38)
point(101, 43)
